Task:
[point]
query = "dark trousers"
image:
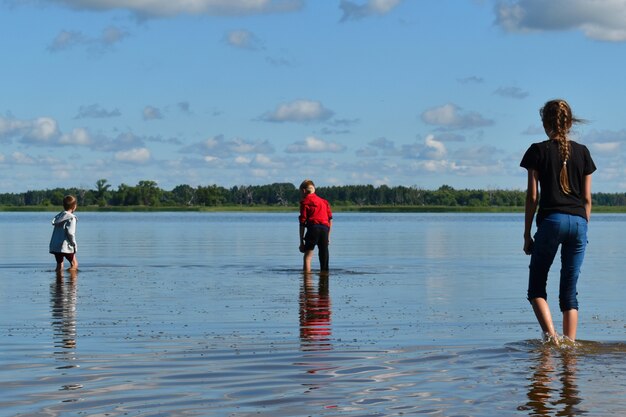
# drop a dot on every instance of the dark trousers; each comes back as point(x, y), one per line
point(317, 235)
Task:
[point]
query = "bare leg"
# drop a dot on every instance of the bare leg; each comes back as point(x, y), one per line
point(570, 322)
point(74, 265)
point(308, 255)
point(73, 274)
point(542, 312)
point(59, 267)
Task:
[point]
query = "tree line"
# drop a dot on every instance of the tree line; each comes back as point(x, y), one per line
point(149, 194)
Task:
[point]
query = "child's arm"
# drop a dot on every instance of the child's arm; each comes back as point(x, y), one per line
point(530, 208)
point(330, 226)
point(70, 232)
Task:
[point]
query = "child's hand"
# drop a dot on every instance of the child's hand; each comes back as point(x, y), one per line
point(301, 248)
point(528, 246)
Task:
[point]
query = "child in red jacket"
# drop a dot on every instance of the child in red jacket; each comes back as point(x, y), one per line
point(317, 218)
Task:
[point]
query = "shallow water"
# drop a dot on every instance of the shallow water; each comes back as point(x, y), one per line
point(207, 314)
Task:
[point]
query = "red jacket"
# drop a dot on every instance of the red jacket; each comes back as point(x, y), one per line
point(315, 210)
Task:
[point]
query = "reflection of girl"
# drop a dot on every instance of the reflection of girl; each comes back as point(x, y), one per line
point(545, 381)
point(562, 169)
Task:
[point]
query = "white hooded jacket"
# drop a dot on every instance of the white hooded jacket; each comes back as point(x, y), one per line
point(64, 234)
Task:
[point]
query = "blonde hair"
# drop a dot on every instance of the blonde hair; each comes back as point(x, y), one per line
point(69, 202)
point(307, 186)
point(557, 119)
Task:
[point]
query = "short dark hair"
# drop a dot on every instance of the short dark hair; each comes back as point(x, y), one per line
point(69, 202)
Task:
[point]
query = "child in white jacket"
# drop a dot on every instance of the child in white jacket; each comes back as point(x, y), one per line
point(63, 242)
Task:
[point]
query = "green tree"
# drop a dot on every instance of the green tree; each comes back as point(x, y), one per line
point(149, 193)
point(184, 194)
point(102, 192)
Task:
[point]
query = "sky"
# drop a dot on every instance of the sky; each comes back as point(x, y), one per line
point(249, 92)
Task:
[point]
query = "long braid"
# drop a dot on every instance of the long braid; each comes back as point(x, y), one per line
point(557, 120)
point(564, 150)
point(563, 122)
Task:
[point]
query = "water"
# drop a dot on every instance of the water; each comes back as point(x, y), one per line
point(207, 314)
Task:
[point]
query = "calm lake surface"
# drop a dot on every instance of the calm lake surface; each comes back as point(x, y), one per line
point(208, 314)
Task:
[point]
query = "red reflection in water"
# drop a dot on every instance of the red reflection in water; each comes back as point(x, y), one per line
point(315, 312)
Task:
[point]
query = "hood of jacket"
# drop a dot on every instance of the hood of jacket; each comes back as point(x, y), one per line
point(62, 217)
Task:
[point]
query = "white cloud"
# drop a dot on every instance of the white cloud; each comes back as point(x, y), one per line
point(78, 136)
point(383, 144)
point(112, 35)
point(185, 107)
point(607, 148)
point(511, 92)
point(242, 160)
point(472, 79)
point(96, 111)
point(220, 147)
point(450, 137)
point(67, 39)
point(435, 149)
point(450, 116)
point(243, 39)
point(299, 111)
point(22, 159)
point(354, 11)
point(123, 141)
point(436, 166)
point(169, 8)
point(600, 20)
point(431, 149)
point(478, 161)
point(137, 155)
point(42, 130)
point(10, 127)
point(606, 143)
point(314, 145)
point(152, 113)
point(366, 152)
point(263, 160)
point(239, 145)
point(259, 173)
point(534, 130)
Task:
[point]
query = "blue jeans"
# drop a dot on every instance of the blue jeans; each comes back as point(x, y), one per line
point(571, 233)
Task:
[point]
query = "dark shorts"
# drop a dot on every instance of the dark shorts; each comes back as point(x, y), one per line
point(316, 235)
point(59, 257)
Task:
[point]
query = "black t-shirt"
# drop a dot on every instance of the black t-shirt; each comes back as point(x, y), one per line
point(545, 158)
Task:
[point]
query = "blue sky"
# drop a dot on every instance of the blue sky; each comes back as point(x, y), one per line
point(236, 92)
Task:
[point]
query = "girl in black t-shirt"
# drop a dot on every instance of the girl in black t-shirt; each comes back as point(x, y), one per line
point(562, 169)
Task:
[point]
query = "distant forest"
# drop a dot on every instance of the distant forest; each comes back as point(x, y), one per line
point(148, 194)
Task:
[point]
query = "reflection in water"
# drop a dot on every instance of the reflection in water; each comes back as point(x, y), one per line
point(553, 389)
point(315, 328)
point(63, 306)
point(315, 310)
